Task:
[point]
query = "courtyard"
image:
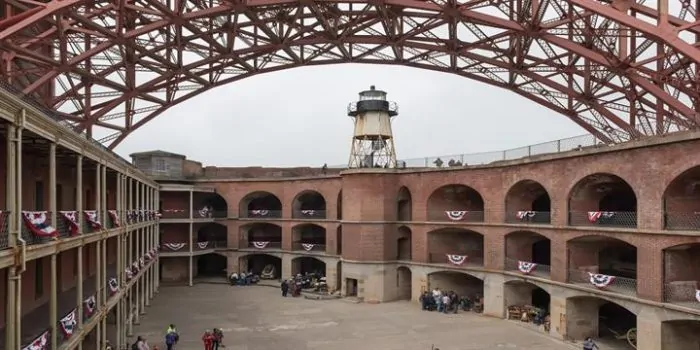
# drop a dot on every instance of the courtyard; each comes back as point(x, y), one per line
point(257, 317)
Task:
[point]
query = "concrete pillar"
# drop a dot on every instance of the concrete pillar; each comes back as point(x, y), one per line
point(53, 296)
point(493, 296)
point(129, 259)
point(98, 285)
point(191, 242)
point(10, 204)
point(103, 290)
point(649, 335)
point(17, 237)
point(557, 312)
point(120, 262)
point(286, 266)
point(142, 251)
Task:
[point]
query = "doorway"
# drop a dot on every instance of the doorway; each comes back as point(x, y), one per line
point(351, 287)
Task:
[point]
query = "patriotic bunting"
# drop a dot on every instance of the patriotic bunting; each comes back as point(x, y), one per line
point(455, 259)
point(260, 212)
point(115, 217)
point(307, 246)
point(202, 245)
point(40, 343)
point(308, 212)
point(174, 246)
point(600, 280)
point(456, 215)
point(526, 267)
point(142, 263)
point(697, 295)
point(205, 212)
point(37, 223)
point(113, 285)
point(71, 218)
point(594, 216)
point(260, 245)
point(93, 219)
point(128, 274)
point(89, 306)
point(524, 215)
point(68, 323)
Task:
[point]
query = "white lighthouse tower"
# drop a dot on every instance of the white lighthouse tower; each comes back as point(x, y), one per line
point(372, 141)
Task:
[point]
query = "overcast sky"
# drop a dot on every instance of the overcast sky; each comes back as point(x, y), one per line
point(298, 117)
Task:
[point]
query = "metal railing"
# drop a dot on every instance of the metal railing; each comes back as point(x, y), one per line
point(621, 285)
point(263, 214)
point(580, 142)
point(308, 247)
point(261, 244)
point(627, 219)
point(4, 229)
point(309, 214)
point(220, 214)
point(682, 293)
point(456, 216)
point(540, 270)
point(175, 214)
point(530, 217)
point(473, 258)
point(682, 220)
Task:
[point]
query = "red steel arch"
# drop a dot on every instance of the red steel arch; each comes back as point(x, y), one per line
point(621, 69)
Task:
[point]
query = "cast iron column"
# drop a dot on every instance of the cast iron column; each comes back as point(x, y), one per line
point(79, 214)
point(10, 204)
point(53, 297)
point(190, 235)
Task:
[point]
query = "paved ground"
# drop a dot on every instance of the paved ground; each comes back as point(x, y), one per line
point(257, 317)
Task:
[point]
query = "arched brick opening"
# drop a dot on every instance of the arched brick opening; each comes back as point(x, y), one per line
point(403, 243)
point(403, 283)
point(598, 318)
point(525, 297)
point(309, 237)
point(528, 201)
point(309, 204)
point(404, 205)
point(528, 252)
point(604, 200)
point(682, 201)
point(455, 203)
point(339, 240)
point(462, 283)
point(264, 265)
point(308, 265)
point(261, 235)
point(211, 265)
point(260, 204)
point(213, 234)
point(681, 275)
point(210, 205)
point(456, 246)
point(612, 261)
point(680, 335)
point(339, 205)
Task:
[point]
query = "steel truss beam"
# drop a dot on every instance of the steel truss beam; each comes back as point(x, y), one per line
point(621, 69)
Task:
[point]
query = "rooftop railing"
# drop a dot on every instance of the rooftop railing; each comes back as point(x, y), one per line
point(461, 160)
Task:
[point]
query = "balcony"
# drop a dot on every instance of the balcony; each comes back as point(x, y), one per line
point(528, 268)
point(309, 247)
point(174, 214)
point(309, 214)
point(609, 283)
point(682, 293)
point(529, 217)
point(621, 219)
point(184, 247)
point(682, 221)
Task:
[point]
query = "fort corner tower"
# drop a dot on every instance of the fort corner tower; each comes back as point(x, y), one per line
point(372, 140)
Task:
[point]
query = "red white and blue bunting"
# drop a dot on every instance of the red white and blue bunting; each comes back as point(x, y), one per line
point(71, 218)
point(113, 285)
point(205, 212)
point(89, 305)
point(68, 323)
point(697, 295)
point(115, 218)
point(128, 274)
point(262, 212)
point(174, 246)
point(202, 245)
point(308, 212)
point(524, 215)
point(40, 343)
point(142, 262)
point(594, 216)
point(600, 280)
point(37, 223)
point(93, 219)
point(135, 267)
point(456, 259)
point(307, 246)
point(456, 215)
point(260, 245)
point(526, 267)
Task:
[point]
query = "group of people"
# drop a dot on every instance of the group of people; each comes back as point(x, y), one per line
point(449, 301)
point(315, 281)
point(212, 340)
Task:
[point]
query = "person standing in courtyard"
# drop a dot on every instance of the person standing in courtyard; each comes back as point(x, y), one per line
point(208, 340)
point(170, 340)
point(285, 288)
point(218, 338)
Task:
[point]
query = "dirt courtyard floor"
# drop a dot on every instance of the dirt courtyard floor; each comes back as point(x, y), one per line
point(257, 317)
